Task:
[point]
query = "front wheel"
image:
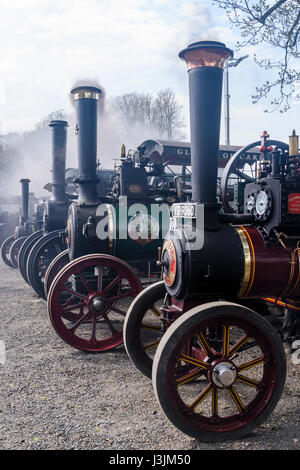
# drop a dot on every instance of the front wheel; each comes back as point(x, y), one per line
point(88, 301)
point(219, 371)
point(143, 327)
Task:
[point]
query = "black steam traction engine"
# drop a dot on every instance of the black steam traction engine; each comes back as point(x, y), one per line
point(219, 365)
point(29, 221)
point(41, 247)
point(88, 298)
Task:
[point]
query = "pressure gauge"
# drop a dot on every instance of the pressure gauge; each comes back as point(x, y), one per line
point(261, 205)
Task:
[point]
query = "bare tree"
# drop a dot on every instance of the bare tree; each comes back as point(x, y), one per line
point(276, 25)
point(59, 114)
point(8, 158)
point(167, 114)
point(135, 108)
point(161, 113)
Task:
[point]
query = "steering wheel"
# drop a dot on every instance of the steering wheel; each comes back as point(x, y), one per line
point(235, 169)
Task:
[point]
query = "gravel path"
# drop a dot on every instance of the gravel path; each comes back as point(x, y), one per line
point(54, 397)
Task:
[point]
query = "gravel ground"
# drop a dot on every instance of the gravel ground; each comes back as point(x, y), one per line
point(55, 397)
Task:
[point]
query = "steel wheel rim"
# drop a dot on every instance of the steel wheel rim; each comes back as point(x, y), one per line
point(94, 321)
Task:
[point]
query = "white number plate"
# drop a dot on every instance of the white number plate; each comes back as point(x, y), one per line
point(187, 210)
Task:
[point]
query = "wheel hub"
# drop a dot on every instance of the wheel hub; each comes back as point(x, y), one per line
point(98, 304)
point(224, 374)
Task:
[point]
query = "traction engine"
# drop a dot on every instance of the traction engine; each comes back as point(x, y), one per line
point(88, 297)
point(230, 289)
point(28, 223)
point(42, 247)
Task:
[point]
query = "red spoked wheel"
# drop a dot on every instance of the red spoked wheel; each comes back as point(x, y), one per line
point(14, 250)
point(5, 248)
point(219, 371)
point(56, 265)
point(88, 300)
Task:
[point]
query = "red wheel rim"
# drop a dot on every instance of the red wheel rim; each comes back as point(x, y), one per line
point(93, 292)
point(242, 352)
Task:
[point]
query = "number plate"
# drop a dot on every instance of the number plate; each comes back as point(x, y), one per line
point(186, 210)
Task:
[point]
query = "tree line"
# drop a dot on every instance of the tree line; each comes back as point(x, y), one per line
point(161, 114)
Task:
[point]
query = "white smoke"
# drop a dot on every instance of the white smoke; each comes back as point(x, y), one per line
point(34, 153)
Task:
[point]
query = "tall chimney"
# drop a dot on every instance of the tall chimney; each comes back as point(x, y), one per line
point(59, 149)
point(25, 199)
point(86, 103)
point(205, 61)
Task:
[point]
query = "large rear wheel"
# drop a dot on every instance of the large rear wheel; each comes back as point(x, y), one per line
point(218, 387)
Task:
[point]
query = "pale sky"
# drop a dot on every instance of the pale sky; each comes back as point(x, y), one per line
point(126, 45)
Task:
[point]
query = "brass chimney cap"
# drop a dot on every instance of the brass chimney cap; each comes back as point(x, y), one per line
point(205, 54)
point(86, 92)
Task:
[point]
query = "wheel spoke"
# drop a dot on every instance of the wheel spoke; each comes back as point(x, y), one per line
point(93, 339)
point(118, 310)
point(112, 284)
point(248, 365)
point(70, 299)
point(204, 344)
point(155, 311)
point(214, 402)
point(100, 278)
point(151, 345)
point(189, 377)
point(238, 345)
point(233, 393)
point(195, 362)
point(84, 282)
point(111, 327)
point(72, 307)
point(81, 320)
point(201, 397)
point(74, 293)
point(248, 381)
point(226, 336)
point(120, 296)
